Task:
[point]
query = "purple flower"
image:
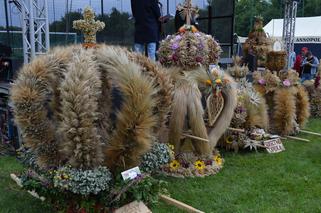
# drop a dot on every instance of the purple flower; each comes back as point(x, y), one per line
point(178, 38)
point(262, 81)
point(175, 46)
point(201, 45)
point(286, 83)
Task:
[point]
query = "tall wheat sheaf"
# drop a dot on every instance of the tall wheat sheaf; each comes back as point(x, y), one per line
point(62, 103)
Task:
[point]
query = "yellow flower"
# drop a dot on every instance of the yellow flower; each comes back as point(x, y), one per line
point(218, 160)
point(171, 146)
point(229, 139)
point(208, 82)
point(66, 177)
point(218, 81)
point(200, 165)
point(174, 165)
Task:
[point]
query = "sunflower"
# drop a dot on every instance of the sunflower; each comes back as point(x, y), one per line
point(218, 159)
point(200, 165)
point(174, 165)
point(229, 139)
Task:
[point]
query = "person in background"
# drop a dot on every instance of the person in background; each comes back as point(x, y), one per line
point(147, 15)
point(251, 61)
point(292, 58)
point(299, 59)
point(309, 67)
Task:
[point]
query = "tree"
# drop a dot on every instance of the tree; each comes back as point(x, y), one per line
point(245, 10)
point(68, 18)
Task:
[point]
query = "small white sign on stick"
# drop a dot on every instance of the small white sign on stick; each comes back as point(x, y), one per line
point(131, 174)
point(274, 145)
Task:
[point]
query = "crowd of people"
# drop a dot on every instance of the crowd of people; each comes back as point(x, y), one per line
point(306, 64)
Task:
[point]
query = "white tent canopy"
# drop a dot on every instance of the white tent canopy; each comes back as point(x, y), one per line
point(307, 29)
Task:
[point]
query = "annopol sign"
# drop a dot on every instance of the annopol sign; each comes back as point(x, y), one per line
point(310, 39)
point(274, 145)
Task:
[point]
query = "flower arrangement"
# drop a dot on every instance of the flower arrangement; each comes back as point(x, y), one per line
point(159, 155)
point(72, 191)
point(189, 49)
point(270, 81)
point(216, 82)
point(267, 81)
point(190, 165)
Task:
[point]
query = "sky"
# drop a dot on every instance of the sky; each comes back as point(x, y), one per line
point(57, 8)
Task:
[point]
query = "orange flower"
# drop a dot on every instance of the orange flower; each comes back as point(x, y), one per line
point(182, 29)
point(208, 82)
point(89, 45)
point(194, 29)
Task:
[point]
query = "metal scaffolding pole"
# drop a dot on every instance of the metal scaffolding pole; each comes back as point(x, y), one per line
point(290, 11)
point(35, 27)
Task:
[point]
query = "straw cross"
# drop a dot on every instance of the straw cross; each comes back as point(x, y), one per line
point(187, 10)
point(89, 26)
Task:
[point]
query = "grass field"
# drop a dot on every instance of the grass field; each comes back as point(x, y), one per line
point(249, 182)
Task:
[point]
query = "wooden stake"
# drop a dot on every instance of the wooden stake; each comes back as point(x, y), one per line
point(236, 130)
point(195, 137)
point(298, 139)
point(32, 193)
point(309, 132)
point(179, 204)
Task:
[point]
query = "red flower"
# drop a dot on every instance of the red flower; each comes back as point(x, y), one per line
point(317, 81)
point(175, 57)
point(199, 59)
point(208, 162)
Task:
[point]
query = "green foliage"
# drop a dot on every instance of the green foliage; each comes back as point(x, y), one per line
point(148, 190)
point(142, 188)
point(245, 11)
point(27, 158)
point(83, 182)
point(65, 22)
point(159, 155)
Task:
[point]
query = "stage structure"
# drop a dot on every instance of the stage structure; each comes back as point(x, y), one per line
point(35, 27)
point(219, 22)
point(290, 11)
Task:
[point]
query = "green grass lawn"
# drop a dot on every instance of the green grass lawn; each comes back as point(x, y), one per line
point(249, 182)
